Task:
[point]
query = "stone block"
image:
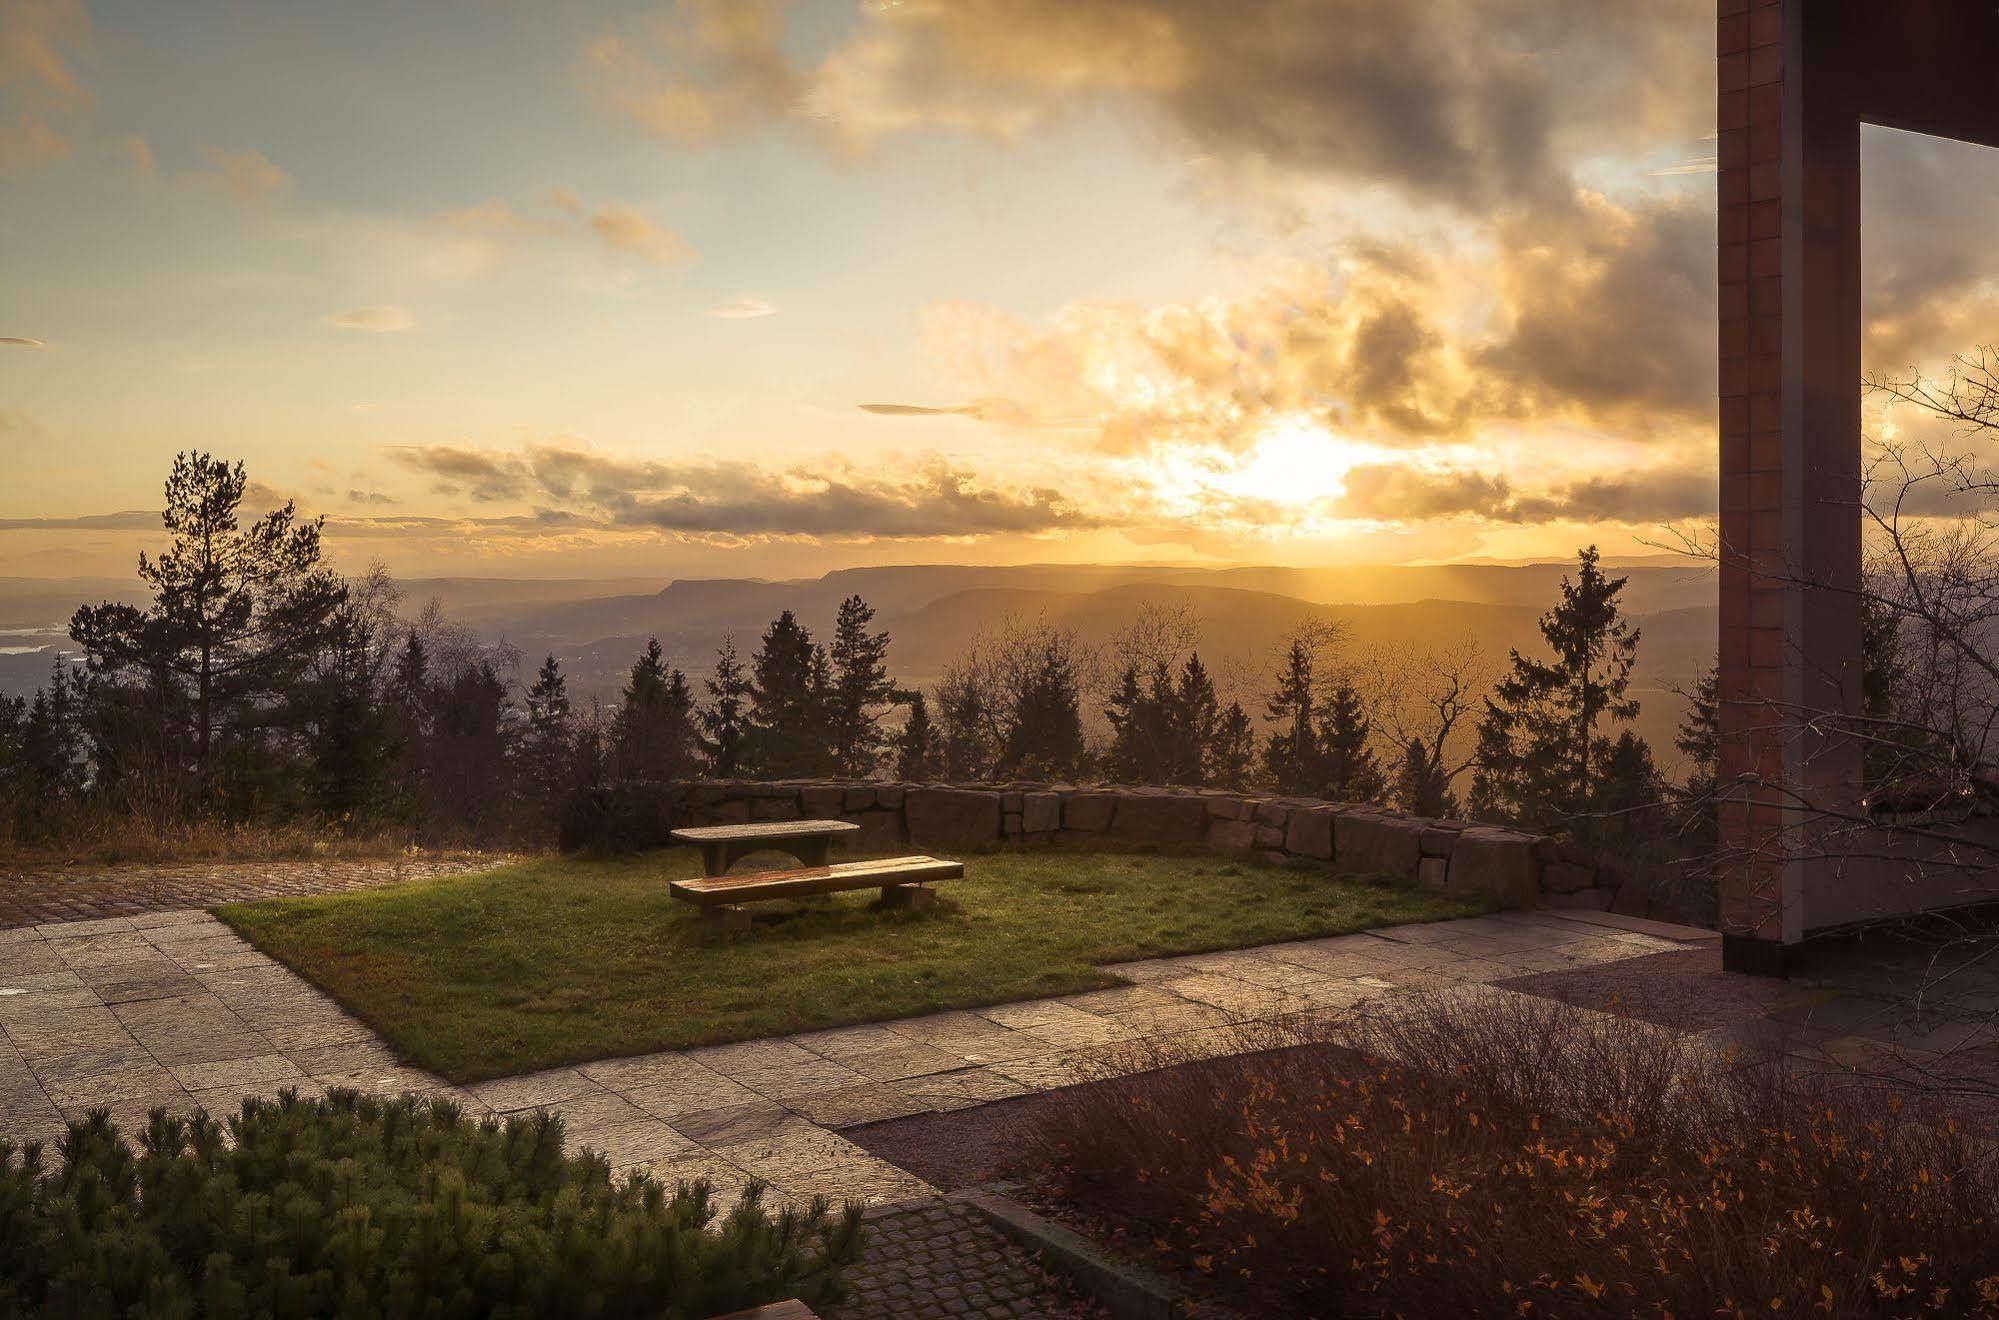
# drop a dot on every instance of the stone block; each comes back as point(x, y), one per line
point(735, 812)
point(952, 817)
point(881, 831)
point(860, 797)
point(1010, 824)
point(1011, 799)
point(822, 800)
point(1231, 835)
point(1433, 872)
point(889, 796)
point(1273, 811)
point(1270, 839)
point(774, 808)
point(1436, 842)
point(1375, 843)
point(1592, 899)
point(1310, 833)
point(1566, 877)
point(1160, 818)
point(1495, 862)
point(1040, 812)
point(1088, 811)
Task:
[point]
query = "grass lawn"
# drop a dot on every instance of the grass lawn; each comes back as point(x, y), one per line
point(561, 960)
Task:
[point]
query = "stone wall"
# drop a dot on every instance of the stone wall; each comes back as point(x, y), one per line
point(1517, 870)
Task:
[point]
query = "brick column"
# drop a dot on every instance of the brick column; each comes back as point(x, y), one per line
point(1789, 248)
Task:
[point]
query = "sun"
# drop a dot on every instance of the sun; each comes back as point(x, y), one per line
point(1297, 460)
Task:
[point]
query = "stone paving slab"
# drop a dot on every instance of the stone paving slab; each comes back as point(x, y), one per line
point(84, 899)
point(175, 1010)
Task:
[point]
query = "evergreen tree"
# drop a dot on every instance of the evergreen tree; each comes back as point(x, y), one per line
point(1699, 735)
point(789, 683)
point(548, 752)
point(654, 736)
point(406, 703)
point(1292, 757)
point(917, 753)
point(466, 770)
point(1045, 731)
point(862, 689)
point(1541, 743)
point(1193, 725)
point(970, 752)
point(1235, 749)
point(1125, 711)
point(725, 720)
point(1347, 769)
point(350, 730)
point(1422, 785)
point(237, 611)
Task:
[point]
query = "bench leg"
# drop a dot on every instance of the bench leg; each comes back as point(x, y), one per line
point(729, 918)
point(908, 898)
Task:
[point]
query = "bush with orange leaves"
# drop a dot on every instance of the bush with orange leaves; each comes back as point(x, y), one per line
point(1495, 1154)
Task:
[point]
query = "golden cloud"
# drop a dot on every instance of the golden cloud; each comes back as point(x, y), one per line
point(43, 102)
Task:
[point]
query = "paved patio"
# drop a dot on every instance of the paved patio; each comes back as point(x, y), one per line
point(174, 1009)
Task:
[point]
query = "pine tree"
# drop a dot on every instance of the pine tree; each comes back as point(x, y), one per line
point(1541, 744)
point(237, 612)
point(1347, 770)
point(350, 730)
point(1234, 749)
point(788, 682)
point(548, 746)
point(1292, 757)
point(654, 732)
point(970, 752)
point(1422, 785)
point(862, 689)
point(917, 754)
point(1045, 730)
point(725, 720)
point(1195, 719)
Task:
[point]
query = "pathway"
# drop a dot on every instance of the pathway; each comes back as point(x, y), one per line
point(40, 894)
point(173, 1009)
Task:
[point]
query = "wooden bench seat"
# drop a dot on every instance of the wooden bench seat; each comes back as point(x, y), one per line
point(902, 880)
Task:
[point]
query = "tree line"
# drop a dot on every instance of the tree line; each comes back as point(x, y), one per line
point(259, 687)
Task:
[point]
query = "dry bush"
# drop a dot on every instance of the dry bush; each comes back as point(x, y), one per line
point(1493, 1154)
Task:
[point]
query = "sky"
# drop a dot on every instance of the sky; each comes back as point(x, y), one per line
point(753, 288)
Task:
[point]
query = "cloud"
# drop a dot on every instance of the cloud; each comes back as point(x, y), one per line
point(129, 520)
point(1401, 493)
point(713, 67)
point(246, 176)
point(626, 229)
point(616, 229)
point(383, 319)
point(744, 309)
point(735, 501)
point(43, 101)
point(369, 497)
point(1467, 102)
point(20, 341)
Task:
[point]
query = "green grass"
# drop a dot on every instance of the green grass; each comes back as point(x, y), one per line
point(561, 960)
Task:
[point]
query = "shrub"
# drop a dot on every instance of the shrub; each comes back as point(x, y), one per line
point(1512, 1156)
point(356, 1206)
point(621, 818)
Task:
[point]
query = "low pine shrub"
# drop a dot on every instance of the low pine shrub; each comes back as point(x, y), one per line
point(1510, 1156)
point(357, 1206)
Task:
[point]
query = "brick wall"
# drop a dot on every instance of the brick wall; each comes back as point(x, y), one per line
point(1753, 551)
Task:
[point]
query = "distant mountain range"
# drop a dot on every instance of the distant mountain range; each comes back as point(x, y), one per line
point(934, 611)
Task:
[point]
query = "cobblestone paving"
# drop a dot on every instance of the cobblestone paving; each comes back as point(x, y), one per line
point(938, 1258)
point(36, 895)
point(173, 1009)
